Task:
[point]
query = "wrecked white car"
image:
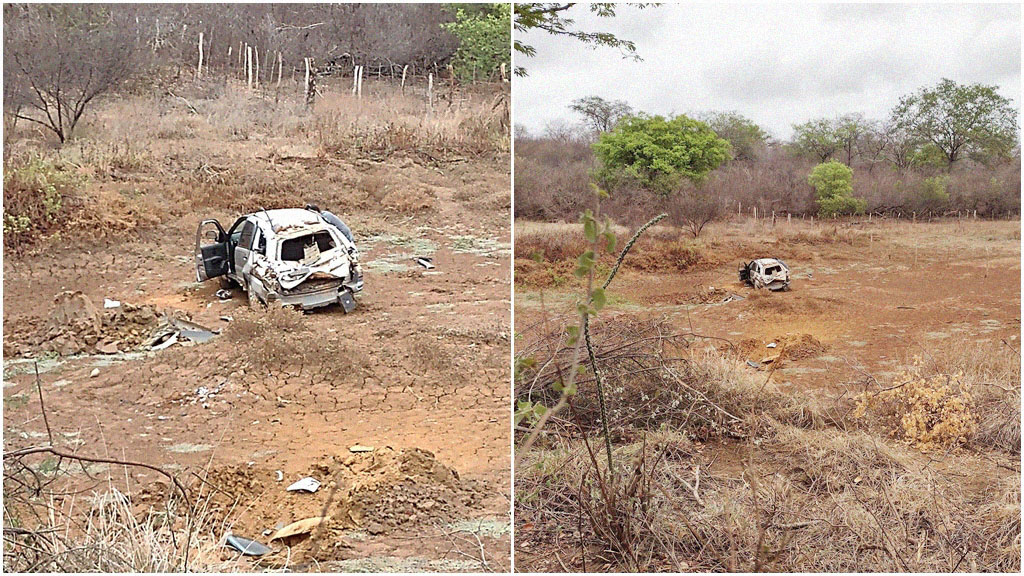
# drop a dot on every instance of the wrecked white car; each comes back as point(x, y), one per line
point(292, 257)
point(770, 273)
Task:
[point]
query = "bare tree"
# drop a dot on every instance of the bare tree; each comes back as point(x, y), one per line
point(599, 114)
point(60, 58)
point(694, 208)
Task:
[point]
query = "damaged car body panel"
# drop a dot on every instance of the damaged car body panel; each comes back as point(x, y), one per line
point(292, 257)
point(770, 273)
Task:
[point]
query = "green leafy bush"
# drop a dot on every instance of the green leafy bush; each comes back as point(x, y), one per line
point(35, 195)
point(484, 32)
point(934, 195)
point(833, 189)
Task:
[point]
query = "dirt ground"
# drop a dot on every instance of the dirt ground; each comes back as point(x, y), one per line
point(865, 299)
point(419, 371)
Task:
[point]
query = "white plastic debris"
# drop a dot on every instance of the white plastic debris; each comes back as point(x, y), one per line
point(280, 475)
point(771, 345)
point(108, 303)
point(95, 372)
point(166, 343)
point(307, 484)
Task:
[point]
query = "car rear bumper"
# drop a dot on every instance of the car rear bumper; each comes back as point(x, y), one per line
point(308, 300)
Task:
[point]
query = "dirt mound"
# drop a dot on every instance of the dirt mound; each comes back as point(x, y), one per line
point(787, 347)
point(76, 326)
point(376, 492)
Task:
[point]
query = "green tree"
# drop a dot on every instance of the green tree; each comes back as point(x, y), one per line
point(551, 18)
point(747, 139)
point(833, 189)
point(818, 138)
point(484, 33)
point(599, 114)
point(959, 118)
point(659, 152)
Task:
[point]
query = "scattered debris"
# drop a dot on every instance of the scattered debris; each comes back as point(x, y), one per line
point(224, 294)
point(280, 475)
point(198, 336)
point(771, 345)
point(165, 341)
point(425, 262)
point(358, 449)
point(95, 372)
point(770, 273)
point(304, 526)
point(245, 546)
point(108, 303)
point(753, 364)
point(307, 484)
point(227, 318)
point(732, 298)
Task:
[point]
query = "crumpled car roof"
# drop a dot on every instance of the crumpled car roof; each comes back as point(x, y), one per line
point(766, 262)
point(285, 218)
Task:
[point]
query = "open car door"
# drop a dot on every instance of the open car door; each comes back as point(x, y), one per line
point(213, 254)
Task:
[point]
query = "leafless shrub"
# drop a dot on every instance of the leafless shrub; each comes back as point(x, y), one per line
point(60, 59)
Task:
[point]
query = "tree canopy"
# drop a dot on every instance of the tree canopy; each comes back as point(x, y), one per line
point(959, 118)
point(659, 152)
point(599, 114)
point(746, 138)
point(551, 18)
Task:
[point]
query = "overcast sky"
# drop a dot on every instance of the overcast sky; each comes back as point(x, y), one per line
point(776, 64)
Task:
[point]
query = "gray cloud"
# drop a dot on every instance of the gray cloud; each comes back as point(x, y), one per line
point(777, 64)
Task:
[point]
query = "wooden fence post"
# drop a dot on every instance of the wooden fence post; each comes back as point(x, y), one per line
point(430, 90)
point(248, 66)
point(308, 89)
point(404, 70)
point(199, 65)
point(256, 52)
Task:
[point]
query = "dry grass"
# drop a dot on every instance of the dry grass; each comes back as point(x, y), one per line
point(58, 519)
point(142, 160)
point(794, 485)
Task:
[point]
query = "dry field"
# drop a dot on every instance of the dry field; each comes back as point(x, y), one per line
point(418, 372)
point(866, 420)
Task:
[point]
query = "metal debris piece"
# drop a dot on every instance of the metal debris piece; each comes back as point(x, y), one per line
point(753, 364)
point(227, 318)
point(348, 303)
point(172, 340)
point(245, 546)
point(280, 475)
point(771, 345)
point(357, 449)
point(198, 336)
point(731, 298)
point(425, 262)
point(307, 484)
point(108, 303)
point(224, 294)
